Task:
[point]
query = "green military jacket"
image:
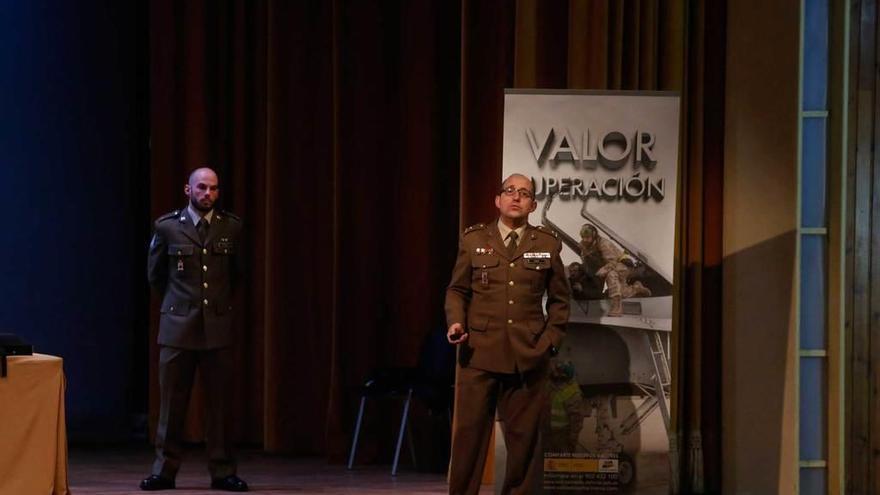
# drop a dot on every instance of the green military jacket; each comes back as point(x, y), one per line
point(195, 280)
point(498, 298)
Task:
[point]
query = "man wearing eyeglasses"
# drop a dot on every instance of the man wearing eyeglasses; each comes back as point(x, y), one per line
point(495, 316)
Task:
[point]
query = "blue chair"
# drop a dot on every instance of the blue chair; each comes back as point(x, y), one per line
point(430, 381)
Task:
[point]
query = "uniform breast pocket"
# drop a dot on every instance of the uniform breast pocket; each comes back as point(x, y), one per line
point(179, 308)
point(224, 246)
point(482, 267)
point(537, 269)
point(180, 259)
point(180, 249)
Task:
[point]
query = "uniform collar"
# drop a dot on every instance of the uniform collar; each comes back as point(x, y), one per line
point(504, 231)
point(195, 216)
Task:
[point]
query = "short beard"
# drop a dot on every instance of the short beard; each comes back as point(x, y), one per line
point(196, 206)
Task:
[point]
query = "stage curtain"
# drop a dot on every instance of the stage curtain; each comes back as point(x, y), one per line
point(356, 138)
point(334, 127)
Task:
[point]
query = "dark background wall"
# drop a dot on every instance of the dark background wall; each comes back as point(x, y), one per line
point(73, 194)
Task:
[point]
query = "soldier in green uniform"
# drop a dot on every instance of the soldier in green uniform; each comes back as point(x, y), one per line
point(194, 266)
point(566, 409)
point(495, 315)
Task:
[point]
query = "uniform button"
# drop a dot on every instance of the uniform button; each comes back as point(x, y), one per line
point(509, 322)
point(204, 251)
point(512, 265)
point(510, 302)
point(206, 302)
point(171, 308)
point(510, 283)
point(205, 285)
point(179, 252)
point(204, 268)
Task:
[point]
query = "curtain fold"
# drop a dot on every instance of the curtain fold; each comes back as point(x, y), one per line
point(356, 138)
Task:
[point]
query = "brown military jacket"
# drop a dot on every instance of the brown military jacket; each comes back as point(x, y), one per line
point(498, 298)
point(196, 280)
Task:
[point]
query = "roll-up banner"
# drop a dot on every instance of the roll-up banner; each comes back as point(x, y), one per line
point(604, 166)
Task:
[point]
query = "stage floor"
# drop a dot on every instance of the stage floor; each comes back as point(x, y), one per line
point(115, 471)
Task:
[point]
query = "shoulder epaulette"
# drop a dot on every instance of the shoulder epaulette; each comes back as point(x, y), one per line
point(168, 216)
point(474, 228)
point(231, 215)
point(545, 230)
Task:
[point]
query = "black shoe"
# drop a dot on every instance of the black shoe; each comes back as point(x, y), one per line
point(156, 482)
point(231, 483)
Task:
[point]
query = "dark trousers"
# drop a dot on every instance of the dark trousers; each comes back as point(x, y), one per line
point(521, 401)
point(177, 368)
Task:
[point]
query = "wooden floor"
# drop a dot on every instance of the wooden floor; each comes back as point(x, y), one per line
point(118, 471)
point(115, 471)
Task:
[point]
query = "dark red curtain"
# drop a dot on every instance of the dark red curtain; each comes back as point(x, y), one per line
point(355, 138)
point(334, 126)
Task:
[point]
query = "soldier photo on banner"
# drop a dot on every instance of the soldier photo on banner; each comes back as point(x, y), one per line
point(604, 166)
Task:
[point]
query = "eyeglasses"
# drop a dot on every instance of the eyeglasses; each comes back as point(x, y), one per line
point(522, 192)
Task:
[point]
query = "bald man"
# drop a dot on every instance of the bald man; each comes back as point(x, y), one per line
point(193, 265)
point(495, 316)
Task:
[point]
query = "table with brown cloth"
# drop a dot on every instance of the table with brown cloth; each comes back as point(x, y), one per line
point(33, 435)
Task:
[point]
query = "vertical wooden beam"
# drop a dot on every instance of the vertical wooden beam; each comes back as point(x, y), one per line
point(860, 378)
point(838, 165)
point(873, 297)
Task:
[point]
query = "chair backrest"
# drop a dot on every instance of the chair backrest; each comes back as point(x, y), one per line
point(437, 358)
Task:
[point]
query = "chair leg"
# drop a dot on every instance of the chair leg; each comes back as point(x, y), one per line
point(403, 420)
point(357, 432)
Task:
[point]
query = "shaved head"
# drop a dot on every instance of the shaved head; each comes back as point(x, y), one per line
point(202, 188)
point(510, 177)
point(200, 172)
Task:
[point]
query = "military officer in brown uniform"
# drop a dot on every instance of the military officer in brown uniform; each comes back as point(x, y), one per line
point(495, 316)
point(193, 265)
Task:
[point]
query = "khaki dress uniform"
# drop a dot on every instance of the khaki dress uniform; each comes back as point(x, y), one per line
point(497, 296)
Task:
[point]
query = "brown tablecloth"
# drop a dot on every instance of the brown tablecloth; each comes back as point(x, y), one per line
point(33, 434)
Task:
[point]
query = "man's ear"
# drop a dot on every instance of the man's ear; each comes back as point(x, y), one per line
point(498, 202)
point(534, 206)
point(187, 190)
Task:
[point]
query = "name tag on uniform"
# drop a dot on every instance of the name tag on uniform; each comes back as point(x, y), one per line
point(540, 256)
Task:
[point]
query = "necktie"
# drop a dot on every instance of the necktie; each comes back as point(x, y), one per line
point(202, 227)
point(511, 246)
